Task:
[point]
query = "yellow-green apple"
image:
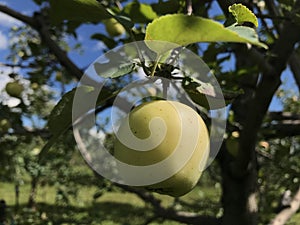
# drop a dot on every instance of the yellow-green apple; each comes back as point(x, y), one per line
point(14, 89)
point(113, 27)
point(170, 133)
point(4, 125)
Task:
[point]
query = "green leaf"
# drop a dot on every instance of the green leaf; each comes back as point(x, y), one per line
point(111, 70)
point(124, 20)
point(140, 13)
point(46, 147)
point(183, 30)
point(207, 95)
point(245, 32)
point(166, 7)
point(203, 93)
point(77, 10)
point(242, 14)
point(60, 119)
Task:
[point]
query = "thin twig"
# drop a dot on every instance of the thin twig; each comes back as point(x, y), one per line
point(118, 4)
point(23, 18)
point(15, 65)
point(61, 55)
point(283, 216)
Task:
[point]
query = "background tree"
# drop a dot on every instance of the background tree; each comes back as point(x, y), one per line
point(258, 159)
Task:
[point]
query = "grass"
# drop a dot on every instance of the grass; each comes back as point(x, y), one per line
point(112, 208)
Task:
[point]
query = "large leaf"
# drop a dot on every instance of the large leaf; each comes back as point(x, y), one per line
point(60, 119)
point(78, 10)
point(140, 13)
point(183, 30)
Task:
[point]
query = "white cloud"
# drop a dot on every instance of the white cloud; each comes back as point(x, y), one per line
point(13, 102)
point(8, 21)
point(4, 75)
point(27, 13)
point(4, 98)
point(4, 78)
point(3, 3)
point(3, 41)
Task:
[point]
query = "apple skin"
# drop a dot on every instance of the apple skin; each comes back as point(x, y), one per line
point(58, 76)
point(187, 177)
point(35, 86)
point(14, 89)
point(4, 125)
point(113, 27)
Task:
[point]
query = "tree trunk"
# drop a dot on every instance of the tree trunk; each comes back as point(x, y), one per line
point(17, 196)
point(239, 193)
point(239, 170)
point(33, 192)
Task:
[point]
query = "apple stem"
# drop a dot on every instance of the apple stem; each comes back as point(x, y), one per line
point(155, 65)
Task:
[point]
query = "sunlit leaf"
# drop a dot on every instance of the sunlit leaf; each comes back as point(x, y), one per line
point(242, 14)
point(183, 30)
point(60, 119)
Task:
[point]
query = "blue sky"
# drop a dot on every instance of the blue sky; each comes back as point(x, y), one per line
point(92, 48)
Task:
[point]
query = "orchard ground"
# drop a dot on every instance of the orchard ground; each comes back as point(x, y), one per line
point(112, 208)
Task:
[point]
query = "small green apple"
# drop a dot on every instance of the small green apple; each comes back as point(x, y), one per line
point(14, 89)
point(58, 76)
point(113, 27)
point(4, 125)
point(34, 86)
point(185, 179)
